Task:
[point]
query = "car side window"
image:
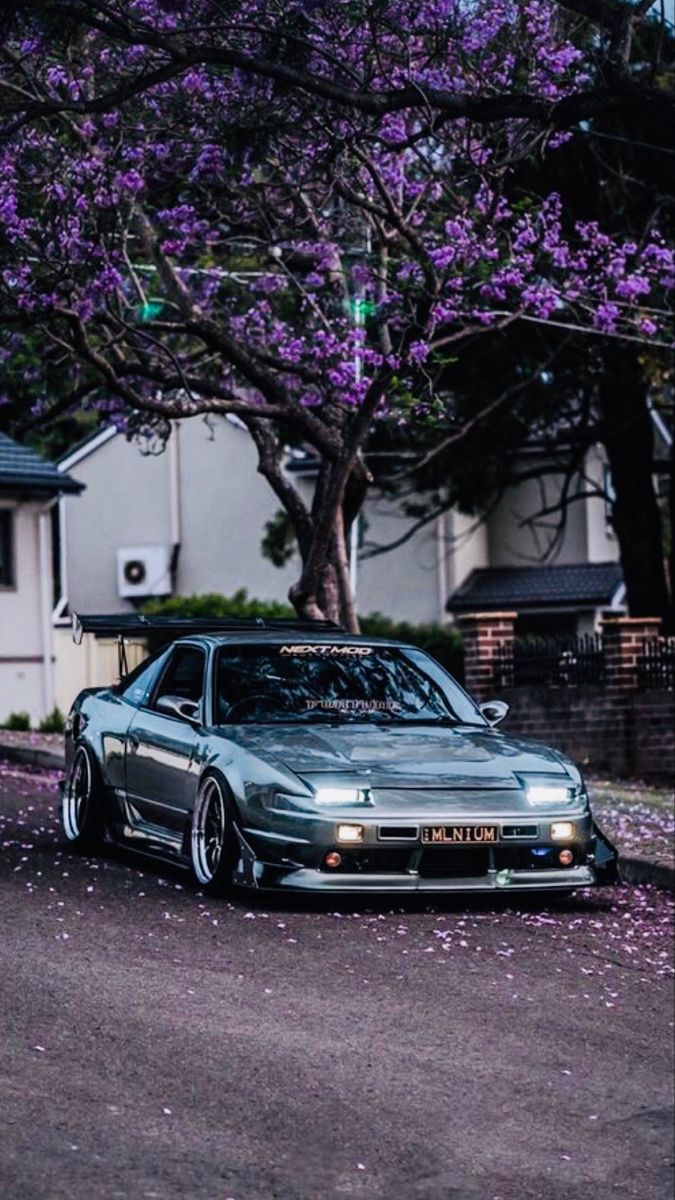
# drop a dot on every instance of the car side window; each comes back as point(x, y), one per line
point(138, 685)
point(184, 675)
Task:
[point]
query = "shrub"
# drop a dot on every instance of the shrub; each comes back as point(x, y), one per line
point(212, 604)
point(18, 721)
point(443, 643)
point(54, 722)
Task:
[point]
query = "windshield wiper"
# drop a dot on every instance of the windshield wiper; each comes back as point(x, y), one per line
point(446, 720)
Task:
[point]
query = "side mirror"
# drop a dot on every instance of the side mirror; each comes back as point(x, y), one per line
point(177, 706)
point(494, 711)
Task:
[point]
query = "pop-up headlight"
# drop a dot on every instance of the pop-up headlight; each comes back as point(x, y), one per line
point(548, 793)
point(333, 796)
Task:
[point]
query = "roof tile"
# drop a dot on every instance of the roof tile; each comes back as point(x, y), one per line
point(24, 471)
point(526, 587)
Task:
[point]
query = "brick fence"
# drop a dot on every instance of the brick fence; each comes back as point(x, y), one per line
point(616, 726)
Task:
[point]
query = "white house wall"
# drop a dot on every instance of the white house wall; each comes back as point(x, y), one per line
point(125, 503)
point(513, 544)
point(402, 583)
point(586, 537)
point(22, 660)
point(467, 548)
point(602, 543)
point(223, 506)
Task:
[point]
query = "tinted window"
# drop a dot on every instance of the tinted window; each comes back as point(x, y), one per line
point(6, 549)
point(184, 675)
point(138, 684)
point(323, 682)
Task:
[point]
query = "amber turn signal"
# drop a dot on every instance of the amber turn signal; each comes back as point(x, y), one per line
point(566, 858)
point(332, 859)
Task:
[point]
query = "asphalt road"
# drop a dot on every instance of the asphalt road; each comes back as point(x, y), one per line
point(156, 1044)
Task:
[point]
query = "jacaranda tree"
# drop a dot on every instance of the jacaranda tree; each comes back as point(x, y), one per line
point(297, 213)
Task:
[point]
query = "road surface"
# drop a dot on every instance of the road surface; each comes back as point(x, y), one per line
point(159, 1044)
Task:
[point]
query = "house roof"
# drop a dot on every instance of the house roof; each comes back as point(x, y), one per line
point(591, 584)
point(23, 472)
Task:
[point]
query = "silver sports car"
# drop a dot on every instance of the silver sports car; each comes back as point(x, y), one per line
point(290, 755)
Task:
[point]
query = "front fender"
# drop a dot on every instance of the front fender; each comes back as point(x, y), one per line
point(606, 858)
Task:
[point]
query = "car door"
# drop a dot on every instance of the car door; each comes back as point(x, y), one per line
point(160, 748)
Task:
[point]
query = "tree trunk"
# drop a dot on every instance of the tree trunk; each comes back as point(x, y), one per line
point(348, 615)
point(332, 598)
point(629, 441)
point(317, 592)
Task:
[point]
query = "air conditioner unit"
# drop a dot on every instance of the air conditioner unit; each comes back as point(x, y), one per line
point(144, 571)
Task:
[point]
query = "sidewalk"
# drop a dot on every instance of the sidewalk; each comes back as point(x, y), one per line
point(636, 816)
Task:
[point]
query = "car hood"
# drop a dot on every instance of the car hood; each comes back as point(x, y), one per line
point(403, 757)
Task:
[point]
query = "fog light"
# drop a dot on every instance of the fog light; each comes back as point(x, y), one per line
point(561, 831)
point(332, 859)
point(350, 833)
point(566, 858)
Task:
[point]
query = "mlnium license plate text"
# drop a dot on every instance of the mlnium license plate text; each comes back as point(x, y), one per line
point(459, 834)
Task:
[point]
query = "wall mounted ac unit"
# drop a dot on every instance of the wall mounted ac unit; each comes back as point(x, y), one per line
point(144, 571)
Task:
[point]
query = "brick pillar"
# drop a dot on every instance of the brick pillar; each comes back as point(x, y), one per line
point(486, 637)
point(623, 640)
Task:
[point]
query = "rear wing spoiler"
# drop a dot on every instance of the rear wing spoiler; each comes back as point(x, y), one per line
point(124, 626)
point(129, 625)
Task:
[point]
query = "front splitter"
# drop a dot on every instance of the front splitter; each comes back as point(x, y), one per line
point(305, 879)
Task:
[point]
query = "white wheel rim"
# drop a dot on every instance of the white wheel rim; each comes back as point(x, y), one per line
point(77, 796)
point(208, 831)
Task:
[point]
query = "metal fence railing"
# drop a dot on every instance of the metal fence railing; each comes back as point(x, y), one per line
point(656, 665)
point(552, 660)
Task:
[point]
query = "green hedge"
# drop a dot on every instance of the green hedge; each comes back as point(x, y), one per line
point(444, 644)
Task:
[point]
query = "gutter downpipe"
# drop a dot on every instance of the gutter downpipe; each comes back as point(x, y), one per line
point(175, 529)
point(442, 572)
point(45, 575)
point(62, 602)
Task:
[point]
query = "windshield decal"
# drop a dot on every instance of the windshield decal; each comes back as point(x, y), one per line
point(355, 705)
point(328, 651)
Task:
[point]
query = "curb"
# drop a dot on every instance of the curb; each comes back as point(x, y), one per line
point(633, 867)
point(47, 760)
point(636, 869)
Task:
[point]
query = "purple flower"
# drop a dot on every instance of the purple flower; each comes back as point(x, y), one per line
point(130, 181)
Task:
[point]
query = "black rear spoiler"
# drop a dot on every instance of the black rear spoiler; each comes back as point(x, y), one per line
point(123, 626)
point(128, 625)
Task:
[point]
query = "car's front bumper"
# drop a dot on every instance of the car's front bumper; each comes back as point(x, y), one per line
point(515, 864)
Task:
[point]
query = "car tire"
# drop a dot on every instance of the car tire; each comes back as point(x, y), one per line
point(214, 845)
point(82, 806)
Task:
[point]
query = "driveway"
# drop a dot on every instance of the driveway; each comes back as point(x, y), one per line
point(159, 1044)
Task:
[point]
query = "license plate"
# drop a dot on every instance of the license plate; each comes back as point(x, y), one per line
point(460, 835)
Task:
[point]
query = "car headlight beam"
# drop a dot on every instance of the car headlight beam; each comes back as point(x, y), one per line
point(548, 793)
point(333, 796)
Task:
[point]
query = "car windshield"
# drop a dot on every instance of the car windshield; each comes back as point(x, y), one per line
point(336, 683)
